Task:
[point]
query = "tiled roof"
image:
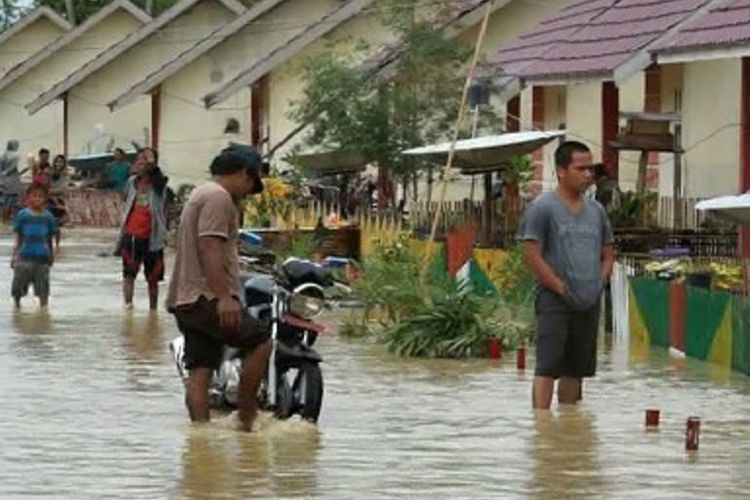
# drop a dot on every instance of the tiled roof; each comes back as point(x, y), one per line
point(593, 38)
point(528, 49)
point(725, 24)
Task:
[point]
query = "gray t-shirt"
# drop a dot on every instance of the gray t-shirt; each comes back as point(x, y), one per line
point(571, 244)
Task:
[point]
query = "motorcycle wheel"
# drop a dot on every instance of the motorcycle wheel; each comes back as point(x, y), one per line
point(284, 399)
point(308, 391)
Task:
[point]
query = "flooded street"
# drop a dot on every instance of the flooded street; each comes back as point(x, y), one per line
point(92, 407)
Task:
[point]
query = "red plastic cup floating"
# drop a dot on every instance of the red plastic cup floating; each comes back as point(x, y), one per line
point(692, 434)
point(495, 348)
point(652, 418)
point(521, 358)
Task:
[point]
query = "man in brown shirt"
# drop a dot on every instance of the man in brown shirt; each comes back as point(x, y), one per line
point(205, 293)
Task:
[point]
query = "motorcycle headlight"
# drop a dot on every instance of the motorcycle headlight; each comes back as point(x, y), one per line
point(305, 306)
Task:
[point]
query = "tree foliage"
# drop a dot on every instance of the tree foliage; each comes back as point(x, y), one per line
point(86, 8)
point(378, 117)
point(9, 12)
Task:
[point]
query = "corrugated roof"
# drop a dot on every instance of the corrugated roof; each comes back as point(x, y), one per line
point(118, 49)
point(32, 17)
point(726, 24)
point(193, 52)
point(59, 43)
point(594, 38)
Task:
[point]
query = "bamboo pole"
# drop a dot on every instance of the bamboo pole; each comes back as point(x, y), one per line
point(456, 133)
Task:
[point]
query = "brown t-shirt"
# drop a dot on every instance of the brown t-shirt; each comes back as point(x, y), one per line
point(210, 211)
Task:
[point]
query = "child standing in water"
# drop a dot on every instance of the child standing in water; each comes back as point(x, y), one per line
point(35, 228)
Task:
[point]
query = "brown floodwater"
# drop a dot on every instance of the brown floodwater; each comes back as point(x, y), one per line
point(91, 407)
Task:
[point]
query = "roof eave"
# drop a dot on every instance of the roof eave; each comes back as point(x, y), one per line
point(234, 5)
point(213, 39)
point(287, 50)
point(41, 55)
point(568, 78)
point(473, 16)
point(31, 18)
point(707, 53)
point(113, 52)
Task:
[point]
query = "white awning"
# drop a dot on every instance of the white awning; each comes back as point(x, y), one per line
point(731, 208)
point(486, 153)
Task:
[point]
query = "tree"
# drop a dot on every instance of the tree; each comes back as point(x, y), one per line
point(377, 117)
point(85, 8)
point(9, 11)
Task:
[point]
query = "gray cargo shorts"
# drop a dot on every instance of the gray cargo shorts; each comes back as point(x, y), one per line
point(565, 337)
point(27, 273)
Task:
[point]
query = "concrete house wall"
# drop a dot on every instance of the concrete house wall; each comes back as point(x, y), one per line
point(188, 149)
point(26, 42)
point(13, 51)
point(711, 113)
point(88, 100)
point(45, 128)
point(286, 83)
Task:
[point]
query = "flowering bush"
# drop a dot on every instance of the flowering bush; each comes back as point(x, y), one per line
point(274, 201)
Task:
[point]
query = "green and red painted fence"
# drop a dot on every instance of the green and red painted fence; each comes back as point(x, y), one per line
point(708, 325)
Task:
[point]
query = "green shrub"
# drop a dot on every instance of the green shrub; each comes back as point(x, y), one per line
point(434, 316)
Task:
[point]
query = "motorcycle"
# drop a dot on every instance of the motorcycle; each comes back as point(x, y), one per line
point(289, 297)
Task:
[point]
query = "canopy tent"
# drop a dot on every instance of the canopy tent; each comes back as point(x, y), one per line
point(486, 154)
point(734, 208)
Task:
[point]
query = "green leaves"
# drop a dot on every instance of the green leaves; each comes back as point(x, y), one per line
point(442, 319)
point(9, 12)
point(378, 117)
point(86, 8)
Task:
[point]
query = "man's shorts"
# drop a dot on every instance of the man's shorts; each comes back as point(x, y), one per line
point(135, 254)
point(27, 273)
point(205, 339)
point(565, 338)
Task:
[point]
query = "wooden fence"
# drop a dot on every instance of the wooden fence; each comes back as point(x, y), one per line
point(702, 236)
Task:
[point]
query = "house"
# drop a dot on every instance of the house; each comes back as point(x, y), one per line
point(87, 90)
point(592, 60)
point(279, 72)
point(18, 43)
point(219, 59)
point(23, 38)
point(32, 75)
point(708, 62)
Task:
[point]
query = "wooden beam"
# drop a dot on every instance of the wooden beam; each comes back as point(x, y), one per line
point(155, 116)
point(610, 127)
point(66, 126)
point(744, 180)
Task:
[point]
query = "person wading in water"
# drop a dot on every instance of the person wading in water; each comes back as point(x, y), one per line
point(568, 244)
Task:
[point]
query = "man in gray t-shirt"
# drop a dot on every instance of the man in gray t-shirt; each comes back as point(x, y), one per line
point(568, 244)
